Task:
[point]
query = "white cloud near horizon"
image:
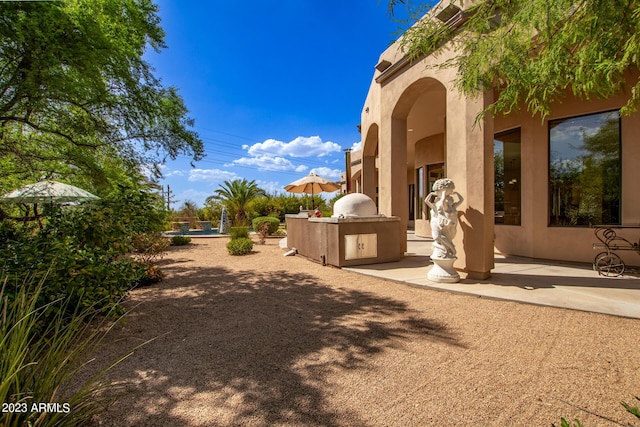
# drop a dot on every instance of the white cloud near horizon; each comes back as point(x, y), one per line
point(268, 163)
point(332, 174)
point(272, 155)
point(174, 173)
point(271, 187)
point(302, 146)
point(212, 175)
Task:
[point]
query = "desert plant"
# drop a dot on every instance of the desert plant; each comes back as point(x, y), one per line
point(240, 246)
point(41, 355)
point(150, 246)
point(237, 195)
point(148, 275)
point(180, 240)
point(263, 232)
point(272, 223)
point(565, 423)
point(239, 233)
point(634, 410)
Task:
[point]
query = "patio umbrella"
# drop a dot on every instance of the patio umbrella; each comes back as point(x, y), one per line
point(48, 192)
point(312, 184)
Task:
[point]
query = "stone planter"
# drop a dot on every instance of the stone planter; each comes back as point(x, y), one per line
point(203, 225)
point(182, 227)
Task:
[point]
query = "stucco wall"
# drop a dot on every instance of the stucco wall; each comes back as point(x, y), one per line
point(535, 238)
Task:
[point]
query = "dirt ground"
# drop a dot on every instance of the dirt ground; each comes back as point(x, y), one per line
point(268, 340)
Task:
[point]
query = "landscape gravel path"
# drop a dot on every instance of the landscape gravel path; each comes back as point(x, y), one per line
point(268, 340)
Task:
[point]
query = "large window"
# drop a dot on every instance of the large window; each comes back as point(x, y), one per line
point(584, 170)
point(507, 171)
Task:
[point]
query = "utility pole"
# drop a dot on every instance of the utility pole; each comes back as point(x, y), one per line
point(168, 198)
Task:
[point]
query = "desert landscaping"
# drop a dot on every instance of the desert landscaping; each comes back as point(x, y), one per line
point(264, 340)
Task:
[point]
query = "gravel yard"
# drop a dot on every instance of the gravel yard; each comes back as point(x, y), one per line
point(268, 340)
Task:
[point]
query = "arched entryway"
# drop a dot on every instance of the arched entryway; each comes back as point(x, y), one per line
point(429, 132)
point(424, 106)
point(369, 167)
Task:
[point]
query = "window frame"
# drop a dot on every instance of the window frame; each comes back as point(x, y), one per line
point(577, 116)
point(496, 136)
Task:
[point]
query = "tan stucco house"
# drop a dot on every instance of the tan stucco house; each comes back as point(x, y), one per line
point(532, 188)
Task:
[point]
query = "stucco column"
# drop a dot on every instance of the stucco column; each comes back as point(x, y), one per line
point(469, 163)
point(369, 176)
point(393, 172)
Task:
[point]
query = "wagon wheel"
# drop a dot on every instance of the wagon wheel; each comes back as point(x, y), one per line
point(608, 264)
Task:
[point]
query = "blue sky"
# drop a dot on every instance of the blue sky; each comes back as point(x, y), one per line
point(276, 88)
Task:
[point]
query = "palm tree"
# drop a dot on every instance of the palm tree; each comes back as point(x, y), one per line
point(236, 196)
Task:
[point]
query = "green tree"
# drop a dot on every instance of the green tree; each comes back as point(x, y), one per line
point(536, 51)
point(188, 209)
point(76, 92)
point(236, 196)
point(211, 211)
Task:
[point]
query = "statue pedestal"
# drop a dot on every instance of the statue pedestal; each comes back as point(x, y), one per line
point(443, 271)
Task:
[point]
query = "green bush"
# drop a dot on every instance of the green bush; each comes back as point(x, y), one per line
point(81, 252)
point(239, 233)
point(240, 246)
point(150, 246)
point(274, 223)
point(180, 240)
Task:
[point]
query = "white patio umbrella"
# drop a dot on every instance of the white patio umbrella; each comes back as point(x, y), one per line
point(48, 192)
point(52, 192)
point(312, 184)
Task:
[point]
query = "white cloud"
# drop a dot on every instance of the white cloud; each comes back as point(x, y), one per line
point(332, 174)
point(211, 175)
point(356, 146)
point(301, 168)
point(266, 163)
point(271, 187)
point(300, 147)
point(174, 173)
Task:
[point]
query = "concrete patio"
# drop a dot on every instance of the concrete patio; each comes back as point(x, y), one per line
point(550, 283)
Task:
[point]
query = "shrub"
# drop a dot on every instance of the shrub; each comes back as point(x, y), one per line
point(149, 274)
point(180, 240)
point(240, 246)
point(81, 253)
point(40, 357)
point(280, 232)
point(263, 231)
point(273, 223)
point(150, 246)
point(239, 233)
point(86, 276)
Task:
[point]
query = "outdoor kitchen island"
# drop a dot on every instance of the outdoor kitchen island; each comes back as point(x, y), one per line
point(345, 241)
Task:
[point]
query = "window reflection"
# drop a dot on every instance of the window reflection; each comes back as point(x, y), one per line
point(584, 170)
point(507, 173)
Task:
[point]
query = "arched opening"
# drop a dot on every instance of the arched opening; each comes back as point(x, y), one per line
point(369, 166)
point(419, 118)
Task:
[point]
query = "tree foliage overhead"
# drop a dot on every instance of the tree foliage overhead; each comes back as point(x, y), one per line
point(75, 90)
point(536, 51)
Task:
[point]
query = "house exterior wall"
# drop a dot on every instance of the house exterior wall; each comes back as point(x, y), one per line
point(417, 95)
point(535, 237)
point(468, 150)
